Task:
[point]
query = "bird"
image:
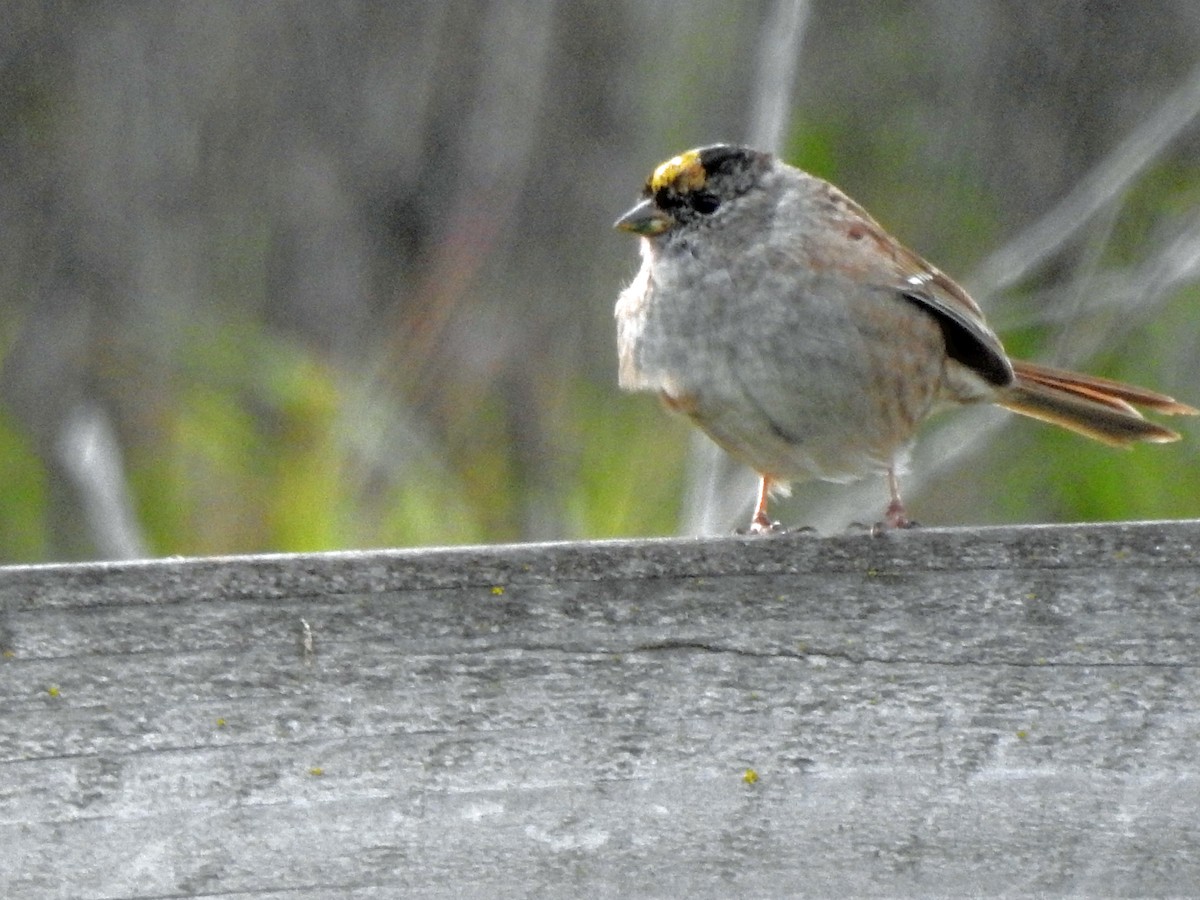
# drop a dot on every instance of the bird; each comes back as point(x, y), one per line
point(806, 341)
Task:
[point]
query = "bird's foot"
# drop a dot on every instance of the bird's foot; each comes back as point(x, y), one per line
point(768, 527)
point(892, 521)
point(894, 517)
point(760, 524)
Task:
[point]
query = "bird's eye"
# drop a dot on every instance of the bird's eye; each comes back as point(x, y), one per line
point(705, 204)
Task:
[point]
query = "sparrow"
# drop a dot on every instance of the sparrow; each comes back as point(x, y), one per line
point(778, 316)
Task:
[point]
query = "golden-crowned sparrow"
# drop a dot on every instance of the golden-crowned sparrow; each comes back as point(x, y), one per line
point(806, 341)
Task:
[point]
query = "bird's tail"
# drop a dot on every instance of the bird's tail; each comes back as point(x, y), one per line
point(1098, 408)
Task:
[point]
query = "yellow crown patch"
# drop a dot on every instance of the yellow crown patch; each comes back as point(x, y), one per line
point(684, 173)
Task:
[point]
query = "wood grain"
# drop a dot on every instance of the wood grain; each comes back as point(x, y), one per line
point(996, 712)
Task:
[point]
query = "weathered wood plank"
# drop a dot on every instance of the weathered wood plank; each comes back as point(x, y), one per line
point(929, 713)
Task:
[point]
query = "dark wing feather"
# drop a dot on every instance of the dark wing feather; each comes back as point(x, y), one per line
point(968, 339)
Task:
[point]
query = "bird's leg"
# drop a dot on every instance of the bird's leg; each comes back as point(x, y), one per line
point(895, 516)
point(761, 523)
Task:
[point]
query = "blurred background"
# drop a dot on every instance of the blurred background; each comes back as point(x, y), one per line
point(314, 275)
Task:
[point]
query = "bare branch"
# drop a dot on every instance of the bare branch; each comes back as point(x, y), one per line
point(779, 41)
point(1130, 158)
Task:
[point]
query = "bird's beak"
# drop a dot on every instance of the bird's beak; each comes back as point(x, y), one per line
point(645, 219)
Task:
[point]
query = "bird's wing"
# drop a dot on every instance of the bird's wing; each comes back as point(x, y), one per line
point(969, 340)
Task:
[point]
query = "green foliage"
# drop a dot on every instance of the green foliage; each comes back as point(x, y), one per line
point(630, 463)
point(1169, 189)
point(245, 454)
point(937, 205)
point(1063, 477)
point(815, 147)
point(274, 454)
point(22, 497)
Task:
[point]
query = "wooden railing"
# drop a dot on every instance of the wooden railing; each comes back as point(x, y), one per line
point(1010, 711)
